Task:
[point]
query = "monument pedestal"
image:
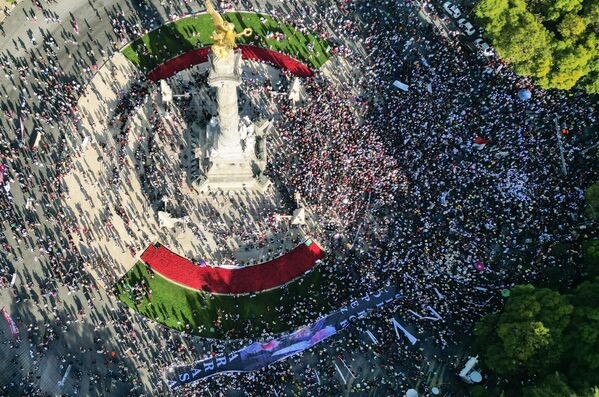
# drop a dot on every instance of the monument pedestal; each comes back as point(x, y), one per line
point(229, 176)
point(230, 165)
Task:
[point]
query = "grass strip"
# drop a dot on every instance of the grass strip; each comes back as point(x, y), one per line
point(219, 316)
point(183, 35)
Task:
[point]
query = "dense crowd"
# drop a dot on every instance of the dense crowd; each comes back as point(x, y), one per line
point(452, 190)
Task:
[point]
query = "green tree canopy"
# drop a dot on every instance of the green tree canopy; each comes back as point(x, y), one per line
point(594, 392)
point(544, 343)
point(572, 25)
point(524, 43)
point(558, 8)
point(553, 41)
point(527, 336)
point(592, 198)
point(582, 337)
point(551, 386)
point(591, 256)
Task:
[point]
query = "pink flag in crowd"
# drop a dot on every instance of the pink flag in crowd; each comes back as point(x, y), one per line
point(13, 327)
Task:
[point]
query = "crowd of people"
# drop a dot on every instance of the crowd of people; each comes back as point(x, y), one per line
point(442, 189)
point(451, 190)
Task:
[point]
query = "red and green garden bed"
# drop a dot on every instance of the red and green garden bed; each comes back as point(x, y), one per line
point(192, 33)
point(228, 316)
point(195, 57)
point(277, 296)
point(219, 302)
point(226, 280)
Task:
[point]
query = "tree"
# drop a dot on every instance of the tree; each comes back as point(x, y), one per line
point(558, 8)
point(494, 11)
point(551, 386)
point(582, 356)
point(591, 256)
point(591, 196)
point(594, 392)
point(570, 65)
point(553, 41)
point(591, 83)
point(527, 336)
point(542, 335)
point(525, 44)
point(572, 25)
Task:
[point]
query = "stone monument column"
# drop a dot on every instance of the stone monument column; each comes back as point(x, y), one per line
point(230, 166)
point(225, 76)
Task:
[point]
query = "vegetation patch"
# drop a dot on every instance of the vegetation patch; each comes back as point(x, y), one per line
point(219, 316)
point(543, 343)
point(193, 32)
point(554, 41)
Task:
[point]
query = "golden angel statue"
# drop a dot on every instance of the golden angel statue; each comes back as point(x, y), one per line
point(224, 34)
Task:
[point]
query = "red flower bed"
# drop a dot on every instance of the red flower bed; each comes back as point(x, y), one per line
point(200, 55)
point(220, 280)
point(277, 59)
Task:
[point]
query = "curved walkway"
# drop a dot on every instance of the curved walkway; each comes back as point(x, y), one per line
point(243, 280)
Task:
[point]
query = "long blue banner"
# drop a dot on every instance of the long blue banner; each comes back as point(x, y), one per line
point(258, 355)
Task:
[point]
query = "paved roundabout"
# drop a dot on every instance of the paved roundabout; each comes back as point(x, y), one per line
point(126, 268)
point(148, 177)
point(105, 94)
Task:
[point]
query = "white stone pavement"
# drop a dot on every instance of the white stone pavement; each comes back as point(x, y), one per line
point(238, 228)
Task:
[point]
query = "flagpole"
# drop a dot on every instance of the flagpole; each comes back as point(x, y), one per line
point(561, 147)
point(340, 374)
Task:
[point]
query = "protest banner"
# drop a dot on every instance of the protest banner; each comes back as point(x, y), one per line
point(258, 355)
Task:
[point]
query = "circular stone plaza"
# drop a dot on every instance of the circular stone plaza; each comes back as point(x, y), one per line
point(273, 198)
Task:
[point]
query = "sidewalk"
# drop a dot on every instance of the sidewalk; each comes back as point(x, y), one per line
point(6, 6)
